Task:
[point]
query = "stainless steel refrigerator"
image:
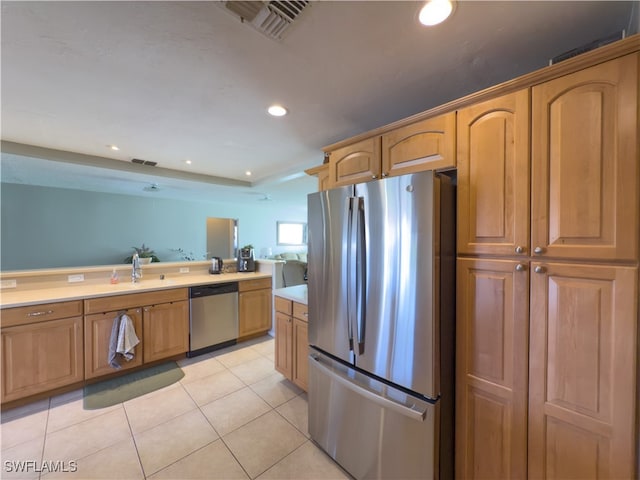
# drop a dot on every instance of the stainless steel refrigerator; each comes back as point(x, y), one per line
point(381, 267)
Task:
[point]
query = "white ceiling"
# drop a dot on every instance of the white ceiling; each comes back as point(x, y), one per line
point(171, 81)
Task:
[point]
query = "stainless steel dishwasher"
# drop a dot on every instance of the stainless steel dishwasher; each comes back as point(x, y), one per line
point(213, 320)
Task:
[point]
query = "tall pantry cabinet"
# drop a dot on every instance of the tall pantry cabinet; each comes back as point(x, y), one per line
point(548, 208)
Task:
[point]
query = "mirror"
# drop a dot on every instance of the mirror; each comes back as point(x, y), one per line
point(222, 237)
point(291, 233)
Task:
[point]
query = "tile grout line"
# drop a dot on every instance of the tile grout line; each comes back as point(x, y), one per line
point(44, 440)
point(135, 444)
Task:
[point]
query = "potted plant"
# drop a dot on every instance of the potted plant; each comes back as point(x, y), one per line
point(145, 254)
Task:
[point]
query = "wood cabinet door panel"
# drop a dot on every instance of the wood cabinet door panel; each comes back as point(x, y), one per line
point(426, 145)
point(493, 176)
point(585, 163)
point(491, 369)
point(284, 343)
point(254, 312)
point(301, 353)
point(41, 357)
point(582, 371)
point(97, 333)
point(355, 163)
point(165, 330)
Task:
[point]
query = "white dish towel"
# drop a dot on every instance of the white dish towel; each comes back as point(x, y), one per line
point(123, 340)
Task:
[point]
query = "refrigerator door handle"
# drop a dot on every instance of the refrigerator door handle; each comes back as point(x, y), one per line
point(360, 273)
point(350, 270)
point(410, 412)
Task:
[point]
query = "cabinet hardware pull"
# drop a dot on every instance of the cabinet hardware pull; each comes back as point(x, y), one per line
point(37, 314)
point(520, 267)
point(539, 269)
point(519, 249)
point(538, 250)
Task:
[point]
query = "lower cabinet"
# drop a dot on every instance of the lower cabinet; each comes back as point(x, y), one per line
point(160, 319)
point(254, 309)
point(301, 352)
point(97, 334)
point(41, 356)
point(292, 344)
point(491, 361)
point(582, 371)
point(165, 330)
point(546, 370)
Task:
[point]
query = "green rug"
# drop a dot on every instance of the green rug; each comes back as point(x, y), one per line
point(131, 385)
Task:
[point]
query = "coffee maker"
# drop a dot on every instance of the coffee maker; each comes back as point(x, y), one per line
point(246, 260)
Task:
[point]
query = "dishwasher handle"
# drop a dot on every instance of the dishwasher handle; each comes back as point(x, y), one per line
point(213, 289)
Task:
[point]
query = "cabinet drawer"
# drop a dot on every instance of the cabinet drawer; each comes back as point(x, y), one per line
point(40, 313)
point(300, 311)
point(283, 305)
point(123, 302)
point(256, 284)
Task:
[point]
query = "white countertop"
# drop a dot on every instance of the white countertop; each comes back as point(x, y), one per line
point(58, 293)
point(297, 293)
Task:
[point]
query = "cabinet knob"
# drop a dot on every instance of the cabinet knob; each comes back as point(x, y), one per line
point(384, 175)
point(520, 268)
point(374, 177)
point(538, 250)
point(519, 249)
point(540, 269)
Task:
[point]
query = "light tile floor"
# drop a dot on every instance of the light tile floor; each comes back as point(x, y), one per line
point(232, 416)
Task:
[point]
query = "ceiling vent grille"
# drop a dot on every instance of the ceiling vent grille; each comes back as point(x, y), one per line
point(144, 162)
point(271, 18)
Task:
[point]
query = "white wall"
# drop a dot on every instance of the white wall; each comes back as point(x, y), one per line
point(44, 227)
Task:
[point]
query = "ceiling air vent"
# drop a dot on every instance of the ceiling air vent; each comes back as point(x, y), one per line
point(270, 18)
point(144, 162)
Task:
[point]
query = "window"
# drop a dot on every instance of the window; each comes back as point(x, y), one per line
point(291, 233)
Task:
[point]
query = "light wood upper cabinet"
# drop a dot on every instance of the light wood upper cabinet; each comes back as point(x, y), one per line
point(356, 163)
point(493, 176)
point(165, 330)
point(582, 381)
point(426, 145)
point(97, 334)
point(322, 172)
point(585, 163)
point(491, 361)
point(41, 356)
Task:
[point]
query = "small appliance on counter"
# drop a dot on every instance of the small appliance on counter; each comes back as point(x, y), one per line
point(216, 265)
point(246, 260)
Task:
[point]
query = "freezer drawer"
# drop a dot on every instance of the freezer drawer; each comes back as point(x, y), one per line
point(371, 429)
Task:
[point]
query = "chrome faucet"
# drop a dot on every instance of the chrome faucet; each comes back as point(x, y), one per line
point(136, 271)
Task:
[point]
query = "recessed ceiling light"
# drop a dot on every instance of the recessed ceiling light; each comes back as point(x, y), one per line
point(247, 173)
point(277, 110)
point(188, 162)
point(435, 12)
point(113, 147)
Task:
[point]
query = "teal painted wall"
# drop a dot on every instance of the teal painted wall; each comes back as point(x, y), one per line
point(43, 227)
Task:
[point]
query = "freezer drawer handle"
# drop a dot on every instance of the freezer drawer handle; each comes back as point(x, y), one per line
point(382, 401)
